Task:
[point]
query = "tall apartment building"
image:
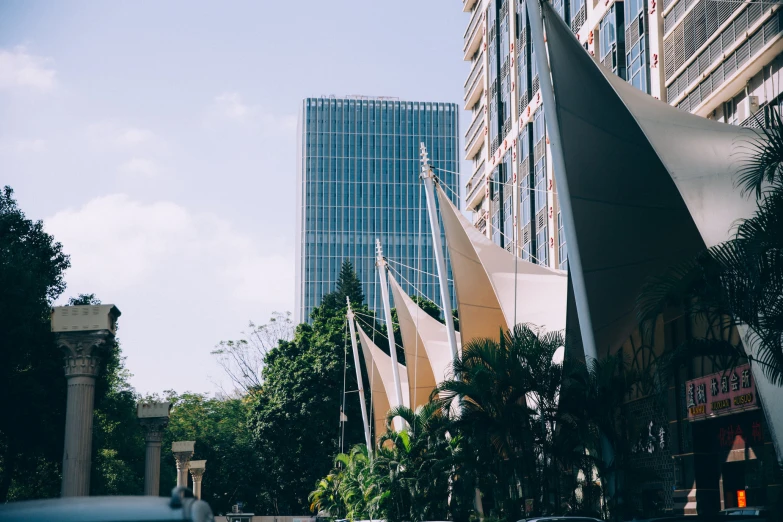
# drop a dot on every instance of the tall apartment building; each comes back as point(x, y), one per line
point(716, 58)
point(358, 171)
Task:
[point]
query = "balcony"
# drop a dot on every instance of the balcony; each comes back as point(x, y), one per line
point(475, 84)
point(467, 5)
point(474, 138)
point(476, 185)
point(473, 34)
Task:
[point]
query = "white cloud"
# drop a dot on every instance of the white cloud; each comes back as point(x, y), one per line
point(118, 244)
point(134, 136)
point(19, 69)
point(140, 167)
point(184, 280)
point(231, 107)
point(110, 134)
point(24, 146)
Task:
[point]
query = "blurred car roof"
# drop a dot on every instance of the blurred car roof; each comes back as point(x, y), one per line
point(108, 509)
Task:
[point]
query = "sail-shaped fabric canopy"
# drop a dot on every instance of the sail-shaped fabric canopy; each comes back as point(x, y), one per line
point(425, 340)
point(648, 186)
point(495, 289)
point(379, 370)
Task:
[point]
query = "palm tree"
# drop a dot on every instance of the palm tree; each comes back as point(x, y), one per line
point(360, 482)
point(594, 432)
point(355, 488)
point(740, 279)
point(419, 461)
point(326, 497)
point(507, 389)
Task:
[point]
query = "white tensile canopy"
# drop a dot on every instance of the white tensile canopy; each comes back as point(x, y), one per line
point(648, 186)
point(379, 370)
point(495, 289)
point(427, 354)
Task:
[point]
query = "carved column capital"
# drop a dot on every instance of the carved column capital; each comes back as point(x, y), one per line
point(82, 351)
point(183, 458)
point(154, 428)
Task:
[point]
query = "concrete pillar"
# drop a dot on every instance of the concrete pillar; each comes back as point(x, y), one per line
point(81, 332)
point(197, 468)
point(153, 417)
point(183, 450)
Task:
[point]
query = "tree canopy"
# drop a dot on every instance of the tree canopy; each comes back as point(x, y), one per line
point(295, 414)
point(32, 265)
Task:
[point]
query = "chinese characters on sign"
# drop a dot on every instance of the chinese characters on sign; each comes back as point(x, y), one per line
point(731, 432)
point(721, 393)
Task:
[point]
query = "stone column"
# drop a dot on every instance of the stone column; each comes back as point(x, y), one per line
point(81, 332)
point(153, 417)
point(183, 450)
point(197, 468)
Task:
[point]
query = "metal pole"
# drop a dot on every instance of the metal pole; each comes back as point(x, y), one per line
point(558, 164)
point(359, 380)
point(440, 261)
point(381, 264)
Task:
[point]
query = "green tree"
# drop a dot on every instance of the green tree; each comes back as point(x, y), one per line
point(507, 389)
point(32, 264)
point(595, 432)
point(219, 427)
point(419, 461)
point(295, 414)
point(348, 286)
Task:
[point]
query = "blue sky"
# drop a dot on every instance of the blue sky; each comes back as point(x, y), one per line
point(157, 141)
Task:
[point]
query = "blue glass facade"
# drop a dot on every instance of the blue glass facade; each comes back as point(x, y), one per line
point(358, 180)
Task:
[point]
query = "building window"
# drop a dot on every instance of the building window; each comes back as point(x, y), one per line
point(533, 63)
point(637, 65)
point(540, 180)
point(524, 190)
point(542, 246)
point(607, 34)
point(539, 127)
point(562, 251)
point(496, 226)
point(633, 8)
point(730, 109)
point(576, 5)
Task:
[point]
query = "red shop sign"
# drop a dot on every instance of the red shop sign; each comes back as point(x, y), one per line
point(721, 393)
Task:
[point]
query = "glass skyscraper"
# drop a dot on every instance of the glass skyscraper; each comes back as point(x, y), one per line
point(357, 180)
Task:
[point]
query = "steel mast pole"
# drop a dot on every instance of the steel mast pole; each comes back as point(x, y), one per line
point(359, 380)
point(380, 262)
point(440, 261)
point(558, 164)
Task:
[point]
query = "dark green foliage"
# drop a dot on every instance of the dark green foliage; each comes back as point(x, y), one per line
point(219, 427)
point(33, 383)
point(295, 417)
point(34, 386)
point(348, 286)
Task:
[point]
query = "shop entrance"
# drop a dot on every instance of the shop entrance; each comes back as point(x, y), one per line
point(732, 480)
